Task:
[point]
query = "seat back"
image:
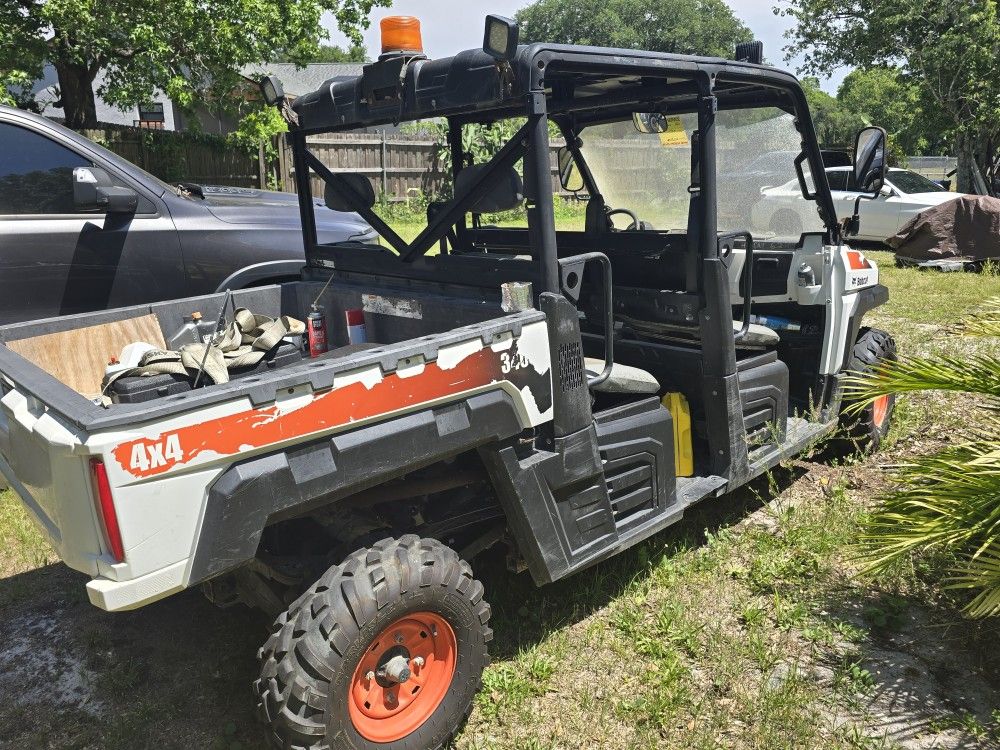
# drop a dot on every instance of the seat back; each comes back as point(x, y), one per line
point(506, 193)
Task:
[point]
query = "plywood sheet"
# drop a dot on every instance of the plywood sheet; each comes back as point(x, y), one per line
point(79, 357)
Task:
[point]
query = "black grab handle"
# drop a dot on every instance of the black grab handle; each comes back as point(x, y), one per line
point(727, 242)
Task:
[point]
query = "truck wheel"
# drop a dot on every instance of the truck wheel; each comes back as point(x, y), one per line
point(866, 429)
point(385, 651)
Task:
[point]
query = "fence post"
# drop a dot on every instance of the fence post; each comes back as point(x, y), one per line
point(385, 172)
point(283, 172)
point(261, 166)
point(143, 157)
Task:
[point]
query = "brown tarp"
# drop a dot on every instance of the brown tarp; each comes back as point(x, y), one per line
point(967, 227)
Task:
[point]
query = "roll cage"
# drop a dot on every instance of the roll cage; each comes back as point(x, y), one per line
point(572, 86)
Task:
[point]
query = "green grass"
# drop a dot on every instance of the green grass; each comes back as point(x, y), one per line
point(745, 626)
point(409, 221)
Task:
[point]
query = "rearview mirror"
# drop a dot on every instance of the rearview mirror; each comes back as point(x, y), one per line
point(870, 160)
point(650, 122)
point(569, 175)
point(93, 190)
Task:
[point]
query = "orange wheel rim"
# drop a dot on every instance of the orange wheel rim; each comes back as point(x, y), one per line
point(402, 677)
point(880, 409)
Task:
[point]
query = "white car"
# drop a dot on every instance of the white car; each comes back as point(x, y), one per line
point(782, 212)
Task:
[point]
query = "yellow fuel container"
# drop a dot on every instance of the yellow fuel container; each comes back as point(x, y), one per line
point(677, 405)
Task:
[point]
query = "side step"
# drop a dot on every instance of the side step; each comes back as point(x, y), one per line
point(596, 492)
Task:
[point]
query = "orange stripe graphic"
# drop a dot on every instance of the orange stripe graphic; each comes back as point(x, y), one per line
point(257, 428)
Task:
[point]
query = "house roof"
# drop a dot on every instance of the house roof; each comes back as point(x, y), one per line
point(298, 81)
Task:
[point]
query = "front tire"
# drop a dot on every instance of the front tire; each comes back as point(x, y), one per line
point(385, 651)
point(866, 429)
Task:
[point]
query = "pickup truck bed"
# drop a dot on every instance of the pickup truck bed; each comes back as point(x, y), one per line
point(447, 372)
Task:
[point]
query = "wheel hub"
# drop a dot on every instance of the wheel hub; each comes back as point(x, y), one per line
point(402, 677)
point(396, 670)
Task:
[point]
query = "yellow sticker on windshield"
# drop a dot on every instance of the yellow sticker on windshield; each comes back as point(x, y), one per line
point(674, 135)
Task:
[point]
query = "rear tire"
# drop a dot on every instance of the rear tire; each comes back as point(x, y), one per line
point(865, 430)
point(404, 598)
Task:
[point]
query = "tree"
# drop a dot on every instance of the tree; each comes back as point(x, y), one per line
point(330, 53)
point(835, 125)
point(886, 96)
point(181, 47)
point(703, 27)
point(949, 50)
point(946, 503)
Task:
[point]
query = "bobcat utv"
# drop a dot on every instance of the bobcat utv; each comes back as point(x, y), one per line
point(564, 392)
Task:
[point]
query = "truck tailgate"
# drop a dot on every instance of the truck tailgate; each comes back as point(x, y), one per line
point(40, 462)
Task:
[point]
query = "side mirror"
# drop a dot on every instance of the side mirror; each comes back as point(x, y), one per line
point(869, 172)
point(870, 160)
point(649, 122)
point(93, 190)
point(569, 175)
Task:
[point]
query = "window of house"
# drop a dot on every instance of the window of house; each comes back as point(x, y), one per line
point(36, 174)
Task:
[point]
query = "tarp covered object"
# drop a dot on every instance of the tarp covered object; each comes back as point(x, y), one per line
point(967, 227)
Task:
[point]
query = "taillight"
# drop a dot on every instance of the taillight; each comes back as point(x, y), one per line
point(107, 508)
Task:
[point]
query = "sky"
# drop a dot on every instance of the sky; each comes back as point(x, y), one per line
point(452, 25)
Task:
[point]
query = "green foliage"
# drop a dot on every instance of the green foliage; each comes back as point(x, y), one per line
point(330, 53)
point(190, 50)
point(835, 124)
point(885, 96)
point(259, 126)
point(15, 88)
point(703, 27)
point(480, 143)
point(948, 51)
point(946, 503)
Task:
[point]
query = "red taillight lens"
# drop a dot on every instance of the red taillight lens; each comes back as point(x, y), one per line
point(107, 508)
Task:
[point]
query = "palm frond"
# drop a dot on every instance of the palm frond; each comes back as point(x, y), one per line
point(983, 322)
point(980, 573)
point(946, 501)
point(973, 375)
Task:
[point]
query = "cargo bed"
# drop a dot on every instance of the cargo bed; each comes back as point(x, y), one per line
point(162, 456)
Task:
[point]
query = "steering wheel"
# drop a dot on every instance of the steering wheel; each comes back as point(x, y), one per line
point(628, 212)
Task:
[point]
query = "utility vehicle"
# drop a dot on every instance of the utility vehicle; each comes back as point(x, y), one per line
point(562, 392)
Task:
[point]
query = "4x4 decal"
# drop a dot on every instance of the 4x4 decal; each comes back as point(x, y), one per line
point(265, 426)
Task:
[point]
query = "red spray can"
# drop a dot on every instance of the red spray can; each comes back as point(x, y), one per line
point(316, 330)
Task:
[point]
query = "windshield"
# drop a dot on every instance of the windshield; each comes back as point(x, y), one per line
point(911, 182)
point(645, 173)
point(649, 173)
point(758, 188)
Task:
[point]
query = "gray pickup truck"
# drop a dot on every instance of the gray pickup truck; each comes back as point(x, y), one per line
point(158, 242)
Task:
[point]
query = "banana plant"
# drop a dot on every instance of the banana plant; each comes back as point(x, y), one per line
point(948, 502)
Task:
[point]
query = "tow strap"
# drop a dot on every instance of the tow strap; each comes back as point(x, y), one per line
point(243, 344)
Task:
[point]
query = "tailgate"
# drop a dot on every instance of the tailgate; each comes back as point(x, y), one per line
point(41, 460)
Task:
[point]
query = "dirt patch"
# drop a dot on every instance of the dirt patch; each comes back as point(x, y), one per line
point(40, 664)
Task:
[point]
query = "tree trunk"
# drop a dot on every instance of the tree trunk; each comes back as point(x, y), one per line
point(76, 88)
point(965, 182)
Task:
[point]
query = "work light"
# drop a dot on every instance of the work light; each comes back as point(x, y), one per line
point(272, 90)
point(500, 41)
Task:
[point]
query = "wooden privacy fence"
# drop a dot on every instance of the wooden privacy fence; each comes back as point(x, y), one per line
point(176, 157)
point(399, 166)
